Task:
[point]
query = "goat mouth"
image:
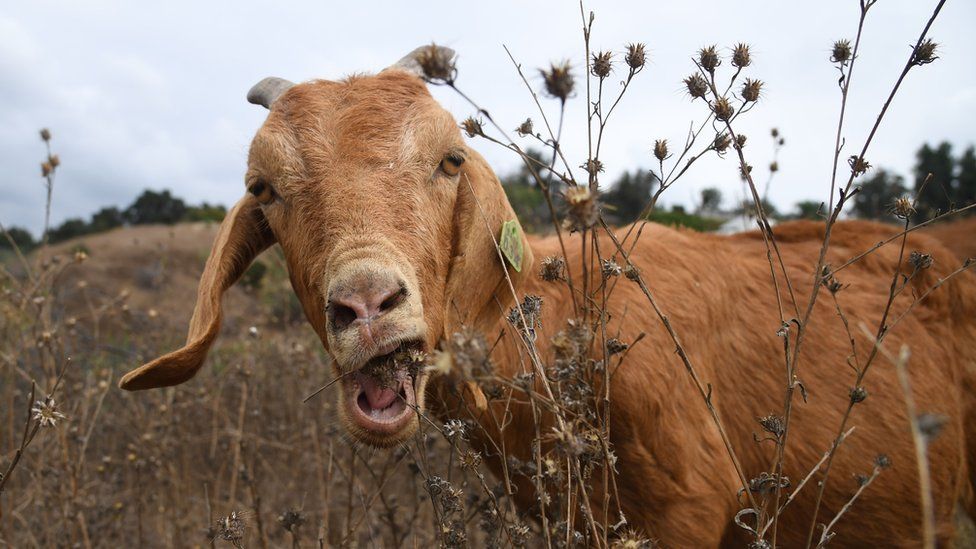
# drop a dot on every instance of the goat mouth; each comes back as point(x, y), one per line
point(381, 396)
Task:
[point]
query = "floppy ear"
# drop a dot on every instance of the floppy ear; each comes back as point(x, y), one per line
point(476, 284)
point(243, 235)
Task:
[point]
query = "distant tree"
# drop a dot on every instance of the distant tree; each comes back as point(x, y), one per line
point(808, 209)
point(106, 219)
point(21, 237)
point(938, 192)
point(966, 178)
point(878, 192)
point(711, 201)
point(153, 207)
point(629, 194)
point(69, 229)
point(205, 212)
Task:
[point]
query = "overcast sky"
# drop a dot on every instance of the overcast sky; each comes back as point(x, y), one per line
point(141, 94)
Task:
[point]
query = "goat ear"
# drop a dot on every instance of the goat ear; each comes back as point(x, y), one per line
point(243, 235)
point(477, 290)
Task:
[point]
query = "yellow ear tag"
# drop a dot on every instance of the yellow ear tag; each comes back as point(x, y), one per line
point(510, 244)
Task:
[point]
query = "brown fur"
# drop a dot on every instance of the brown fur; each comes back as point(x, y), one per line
point(355, 166)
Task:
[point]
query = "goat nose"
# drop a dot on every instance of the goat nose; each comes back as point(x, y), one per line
point(350, 305)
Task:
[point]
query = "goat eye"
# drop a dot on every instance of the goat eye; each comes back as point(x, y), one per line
point(451, 165)
point(262, 191)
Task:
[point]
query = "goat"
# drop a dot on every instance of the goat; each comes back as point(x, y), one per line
point(385, 218)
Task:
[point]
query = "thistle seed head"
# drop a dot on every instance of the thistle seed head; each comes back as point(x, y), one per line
point(636, 56)
point(525, 128)
point(696, 85)
point(721, 143)
point(741, 57)
point(902, 208)
point(559, 81)
point(723, 109)
point(920, 260)
point(473, 127)
point(437, 64)
point(858, 395)
point(583, 207)
point(751, 89)
point(45, 134)
point(841, 52)
point(661, 149)
point(708, 58)
point(858, 165)
point(601, 64)
point(553, 269)
point(925, 53)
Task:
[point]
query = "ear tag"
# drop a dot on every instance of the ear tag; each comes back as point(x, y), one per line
point(510, 244)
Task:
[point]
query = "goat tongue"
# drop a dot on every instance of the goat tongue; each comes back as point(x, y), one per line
point(378, 396)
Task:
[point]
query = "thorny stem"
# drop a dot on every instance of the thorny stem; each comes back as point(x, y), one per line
point(818, 273)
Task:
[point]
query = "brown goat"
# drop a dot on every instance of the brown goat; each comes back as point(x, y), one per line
point(385, 218)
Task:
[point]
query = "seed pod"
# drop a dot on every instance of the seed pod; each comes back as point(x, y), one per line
point(708, 58)
point(751, 90)
point(697, 86)
point(841, 52)
point(661, 149)
point(636, 56)
point(602, 64)
point(925, 53)
point(741, 57)
point(723, 109)
point(559, 81)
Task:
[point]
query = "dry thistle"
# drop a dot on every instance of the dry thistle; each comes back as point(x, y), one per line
point(615, 346)
point(437, 64)
point(636, 56)
point(774, 167)
point(882, 461)
point(531, 310)
point(46, 169)
point(902, 208)
point(858, 165)
point(721, 143)
point(920, 260)
point(45, 134)
point(553, 269)
point(46, 413)
point(751, 90)
point(661, 149)
point(858, 395)
point(841, 52)
point(708, 58)
point(741, 57)
point(740, 141)
point(525, 128)
point(773, 425)
point(54, 160)
point(473, 127)
point(696, 85)
point(631, 272)
point(231, 528)
point(723, 109)
point(925, 53)
point(609, 268)
point(583, 208)
point(559, 80)
point(602, 64)
point(593, 166)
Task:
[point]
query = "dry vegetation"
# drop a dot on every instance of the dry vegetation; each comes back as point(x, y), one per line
point(242, 457)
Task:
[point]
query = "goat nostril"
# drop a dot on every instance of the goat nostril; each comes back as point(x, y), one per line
point(393, 300)
point(342, 315)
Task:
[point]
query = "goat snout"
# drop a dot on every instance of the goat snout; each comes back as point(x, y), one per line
point(364, 300)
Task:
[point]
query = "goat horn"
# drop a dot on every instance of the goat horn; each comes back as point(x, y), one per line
point(411, 61)
point(265, 92)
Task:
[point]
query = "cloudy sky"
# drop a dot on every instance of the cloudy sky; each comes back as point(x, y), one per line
point(142, 94)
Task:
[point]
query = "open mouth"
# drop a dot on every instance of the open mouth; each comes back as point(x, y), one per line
point(381, 396)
